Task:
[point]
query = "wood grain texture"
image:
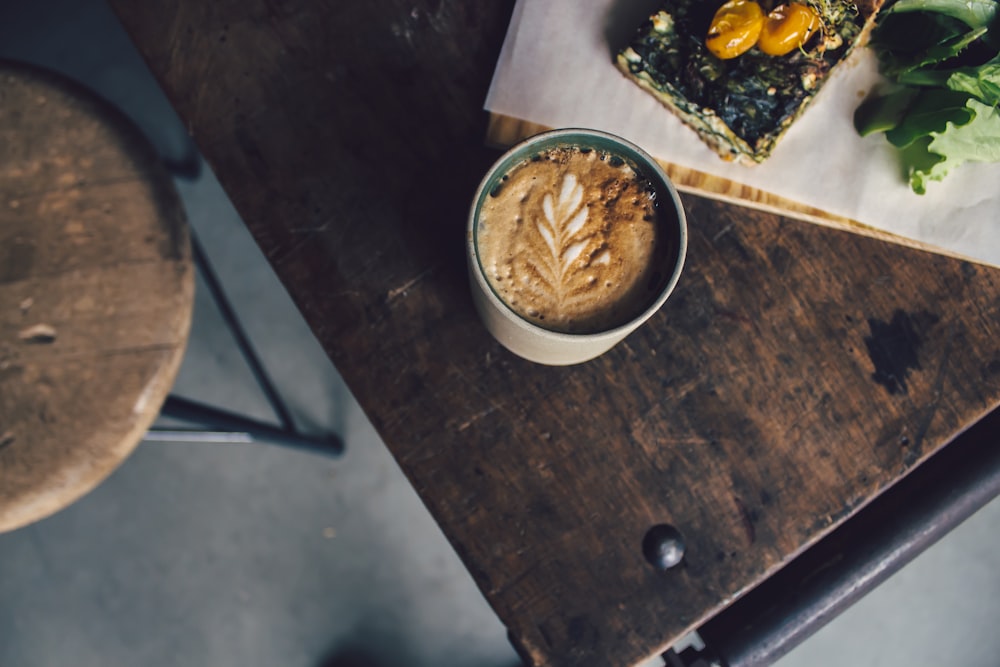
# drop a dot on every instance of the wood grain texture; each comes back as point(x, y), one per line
point(96, 291)
point(797, 371)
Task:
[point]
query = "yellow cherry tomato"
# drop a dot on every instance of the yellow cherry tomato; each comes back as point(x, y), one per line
point(735, 28)
point(786, 28)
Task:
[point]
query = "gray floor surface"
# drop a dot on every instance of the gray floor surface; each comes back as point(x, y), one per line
point(245, 555)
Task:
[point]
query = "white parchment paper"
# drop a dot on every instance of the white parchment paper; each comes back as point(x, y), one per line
point(556, 68)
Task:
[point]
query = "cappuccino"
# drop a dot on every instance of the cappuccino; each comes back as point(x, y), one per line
point(574, 239)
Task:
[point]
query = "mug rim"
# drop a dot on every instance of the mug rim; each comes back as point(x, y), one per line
point(630, 150)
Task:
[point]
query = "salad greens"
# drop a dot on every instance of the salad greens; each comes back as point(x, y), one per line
point(942, 58)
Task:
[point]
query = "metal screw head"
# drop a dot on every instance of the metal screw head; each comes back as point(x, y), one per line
point(663, 546)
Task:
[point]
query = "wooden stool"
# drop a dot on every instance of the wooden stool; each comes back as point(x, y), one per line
point(96, 291)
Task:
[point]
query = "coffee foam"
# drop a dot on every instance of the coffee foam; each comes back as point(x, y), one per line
point(572, 240)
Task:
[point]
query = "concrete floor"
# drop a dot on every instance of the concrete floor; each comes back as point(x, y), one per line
point(235, 555)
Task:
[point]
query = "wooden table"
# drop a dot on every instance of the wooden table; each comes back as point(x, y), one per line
point(797, 372)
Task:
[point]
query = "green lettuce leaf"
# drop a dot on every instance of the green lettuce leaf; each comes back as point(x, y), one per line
point(934, 156)
point(922, 165)
point(910, 41)
point(973, 13)
point(932, 111)
point(943, 58)
point(883, 112)
point(982, 82)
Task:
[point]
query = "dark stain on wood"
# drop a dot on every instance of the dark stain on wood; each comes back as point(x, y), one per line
point(894, 347)
point(780, 259)
point(16, 256)
point(746, 520)
point(249, 147)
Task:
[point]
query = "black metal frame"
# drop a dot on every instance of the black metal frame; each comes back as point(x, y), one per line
point(221, 426)
point(837, 571)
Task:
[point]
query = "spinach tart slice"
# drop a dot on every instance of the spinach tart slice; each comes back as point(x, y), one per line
point(740, 106)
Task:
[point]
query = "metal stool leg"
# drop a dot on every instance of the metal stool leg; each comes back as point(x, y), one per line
point(233, 427)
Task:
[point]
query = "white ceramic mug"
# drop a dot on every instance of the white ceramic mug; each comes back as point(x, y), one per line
point(525, 338)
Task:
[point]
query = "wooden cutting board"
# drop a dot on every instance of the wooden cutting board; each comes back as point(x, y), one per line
point(504, 131)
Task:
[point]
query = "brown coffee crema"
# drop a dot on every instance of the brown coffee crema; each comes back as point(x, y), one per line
point(572, 240)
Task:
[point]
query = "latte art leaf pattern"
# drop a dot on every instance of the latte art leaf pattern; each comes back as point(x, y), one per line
point(562, 227)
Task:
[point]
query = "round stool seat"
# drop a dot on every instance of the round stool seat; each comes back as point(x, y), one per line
point(96, 291)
